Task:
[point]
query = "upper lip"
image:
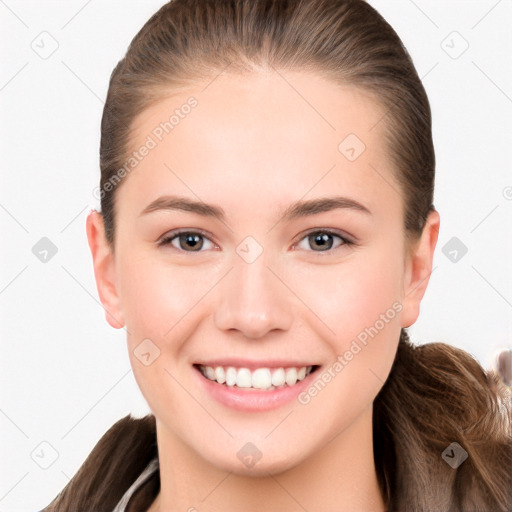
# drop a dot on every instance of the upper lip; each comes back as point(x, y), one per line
point(253, 365)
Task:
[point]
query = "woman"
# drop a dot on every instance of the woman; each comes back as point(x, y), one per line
point(266, 237)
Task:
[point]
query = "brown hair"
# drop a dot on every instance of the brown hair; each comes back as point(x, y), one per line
point(435, 394)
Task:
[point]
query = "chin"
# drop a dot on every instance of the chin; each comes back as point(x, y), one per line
point(254, 463)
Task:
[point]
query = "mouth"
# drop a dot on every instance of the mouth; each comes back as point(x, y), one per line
point(262, 378)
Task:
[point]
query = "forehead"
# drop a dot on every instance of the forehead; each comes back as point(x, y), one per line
point(276, 132)
point(287, 104)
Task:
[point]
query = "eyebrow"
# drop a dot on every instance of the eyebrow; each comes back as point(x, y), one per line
point(302, 208)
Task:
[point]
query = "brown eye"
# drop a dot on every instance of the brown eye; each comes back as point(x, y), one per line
point(190, 240)
point(185, 241)
point(323, 240)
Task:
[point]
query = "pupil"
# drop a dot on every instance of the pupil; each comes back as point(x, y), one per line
point(193, 239)
point(322, 240)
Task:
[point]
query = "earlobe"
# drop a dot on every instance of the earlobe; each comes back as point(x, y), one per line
point(418, 269)
point(104, 269)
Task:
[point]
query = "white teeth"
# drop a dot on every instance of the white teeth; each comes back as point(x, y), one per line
point(243, 378)
point(220, 375)
point(261, 378)
point(231, 376)
point(278, 377)
point(291, 376)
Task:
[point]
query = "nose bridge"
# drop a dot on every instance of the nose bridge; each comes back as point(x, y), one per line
point(253, 300)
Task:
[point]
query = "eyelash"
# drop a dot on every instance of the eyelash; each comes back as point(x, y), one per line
point(168, 238)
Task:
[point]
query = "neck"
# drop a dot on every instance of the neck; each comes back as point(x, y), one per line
point(339, 477)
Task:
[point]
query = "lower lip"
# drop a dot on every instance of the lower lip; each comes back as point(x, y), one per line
point(253, 400)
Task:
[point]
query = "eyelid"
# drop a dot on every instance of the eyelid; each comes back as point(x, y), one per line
point(348, 240)
point(165, 238)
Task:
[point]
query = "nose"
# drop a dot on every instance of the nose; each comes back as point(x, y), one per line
point(253, 299)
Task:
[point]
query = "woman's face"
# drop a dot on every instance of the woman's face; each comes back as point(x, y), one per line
point(270, 280)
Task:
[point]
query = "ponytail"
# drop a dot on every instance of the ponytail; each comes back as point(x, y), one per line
point(113, 465)
point(437, 395)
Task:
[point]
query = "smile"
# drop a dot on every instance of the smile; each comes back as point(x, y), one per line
point(259, 378)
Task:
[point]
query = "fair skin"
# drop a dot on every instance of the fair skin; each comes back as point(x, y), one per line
point(253, 146)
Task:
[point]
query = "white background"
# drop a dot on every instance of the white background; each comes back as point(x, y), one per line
point(65, 374)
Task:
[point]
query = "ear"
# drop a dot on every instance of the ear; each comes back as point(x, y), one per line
point(104, 269)
point(418, 267)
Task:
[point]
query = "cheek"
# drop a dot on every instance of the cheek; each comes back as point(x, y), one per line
point(153, 301)
point(154, 296)
point(164, 303)
point(144, 295)
point(361, 305)
point(353, 295)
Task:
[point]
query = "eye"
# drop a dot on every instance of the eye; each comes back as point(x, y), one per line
point(193, 241)
point(322, 239)
point(185, 240)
